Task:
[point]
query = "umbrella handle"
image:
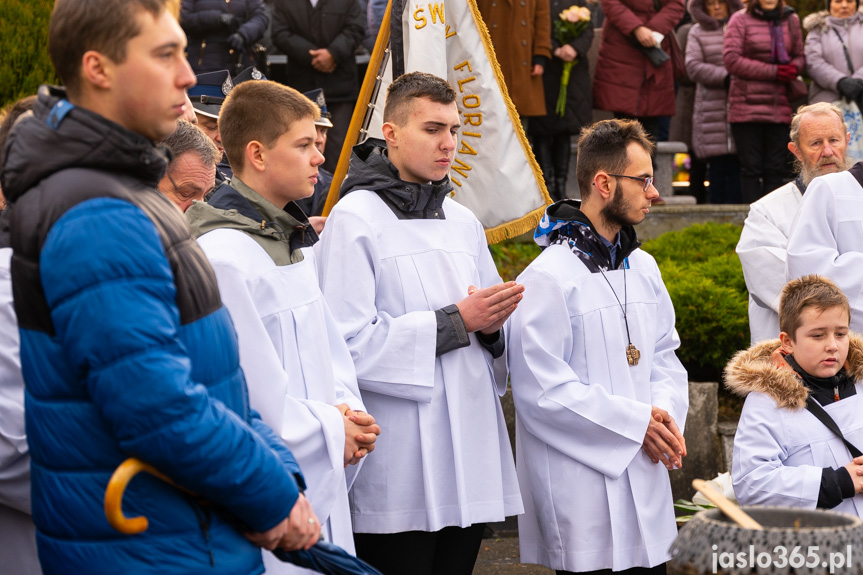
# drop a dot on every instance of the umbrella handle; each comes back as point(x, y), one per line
point(114, 495)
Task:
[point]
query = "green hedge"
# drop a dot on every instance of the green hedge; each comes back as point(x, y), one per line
point(705, 282)
point(24, 60)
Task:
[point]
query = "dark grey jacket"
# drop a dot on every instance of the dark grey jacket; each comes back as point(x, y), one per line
point(337, 25)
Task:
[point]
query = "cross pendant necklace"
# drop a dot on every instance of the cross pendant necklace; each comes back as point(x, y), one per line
point(632, 353)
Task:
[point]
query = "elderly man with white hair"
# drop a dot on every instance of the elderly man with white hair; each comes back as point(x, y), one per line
point(819, 138)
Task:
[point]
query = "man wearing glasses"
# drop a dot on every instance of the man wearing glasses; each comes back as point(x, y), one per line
point(191, 174)
point(597, 386)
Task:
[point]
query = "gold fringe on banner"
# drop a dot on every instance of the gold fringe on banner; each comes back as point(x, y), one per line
point(513, 228)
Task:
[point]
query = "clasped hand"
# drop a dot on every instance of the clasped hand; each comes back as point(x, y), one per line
point(322, 60)
point(299, 530)
point(663, 441)
point(361, 432)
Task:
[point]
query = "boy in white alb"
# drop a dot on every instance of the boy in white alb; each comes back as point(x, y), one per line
point(398, 258)
point(298, 369)
point(784, 452)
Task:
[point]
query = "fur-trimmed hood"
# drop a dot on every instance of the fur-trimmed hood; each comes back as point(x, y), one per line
point(822, 19)
point(699, 14)
point(753, 370)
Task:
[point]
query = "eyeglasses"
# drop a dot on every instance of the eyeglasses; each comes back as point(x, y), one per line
point(646, 182)
point(187, 193)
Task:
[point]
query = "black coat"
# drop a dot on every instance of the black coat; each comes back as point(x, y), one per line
point(337, 25)
point(208, 46)
point(579, 97)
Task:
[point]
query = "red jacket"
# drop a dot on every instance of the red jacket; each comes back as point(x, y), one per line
point(625, 81)
point(755, 94)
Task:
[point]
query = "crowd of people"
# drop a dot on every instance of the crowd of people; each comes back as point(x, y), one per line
point(170, 292)
point(743, 61)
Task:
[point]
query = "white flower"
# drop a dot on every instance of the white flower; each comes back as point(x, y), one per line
point(722, 483)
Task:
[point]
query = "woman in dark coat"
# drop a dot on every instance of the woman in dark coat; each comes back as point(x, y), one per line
point(625, 82)
point(221, 33)
point(551, 134)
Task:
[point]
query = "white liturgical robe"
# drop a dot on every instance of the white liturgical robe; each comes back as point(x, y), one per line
point(593, 498)
point(827, 237)
point(443, 457)
point(297, 368)
point(780, 448)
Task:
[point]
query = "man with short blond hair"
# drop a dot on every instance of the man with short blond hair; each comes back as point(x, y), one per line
point(818, 141)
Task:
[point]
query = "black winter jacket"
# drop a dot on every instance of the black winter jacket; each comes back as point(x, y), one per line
point(336, 25)
point(208, 36)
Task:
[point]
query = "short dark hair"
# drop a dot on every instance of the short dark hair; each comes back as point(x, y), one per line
point(106, 26)
point(190, 138)
point(408, 87)
point(602, 147)
point(808, 291)
point(260, 110)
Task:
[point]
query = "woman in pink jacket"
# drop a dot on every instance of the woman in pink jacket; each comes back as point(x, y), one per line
point(763, 52)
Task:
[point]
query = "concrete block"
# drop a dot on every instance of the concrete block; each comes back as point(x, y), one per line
point(664, 166)
point(672, 218)
point(704, 459)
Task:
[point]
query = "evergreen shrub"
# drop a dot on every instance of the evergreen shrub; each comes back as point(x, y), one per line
point(705, 281)
point(24, 60)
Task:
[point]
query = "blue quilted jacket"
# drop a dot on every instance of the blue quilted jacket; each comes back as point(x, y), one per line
point(127, 351)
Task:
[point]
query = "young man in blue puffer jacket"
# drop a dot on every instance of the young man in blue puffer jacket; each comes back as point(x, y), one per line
point(126, 348)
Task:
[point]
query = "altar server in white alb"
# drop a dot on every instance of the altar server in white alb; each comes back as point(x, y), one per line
point(826, 237)
point(783, 454)
point(410, 280)
point(819, 139)
point(600, 395)
point(298, 369)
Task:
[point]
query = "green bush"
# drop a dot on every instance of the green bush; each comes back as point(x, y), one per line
point(511, 257)
point(705, 282)
point(24, 63)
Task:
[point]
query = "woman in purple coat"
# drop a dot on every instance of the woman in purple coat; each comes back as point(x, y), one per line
point(711, 134)
point(763, 52)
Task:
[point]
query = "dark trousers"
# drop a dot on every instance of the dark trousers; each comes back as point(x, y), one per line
point(341, 112)
point(724, 175)
point(658, 570)
point(450, 551)
point(697, 175)
point(552, 153)
point(765, 162)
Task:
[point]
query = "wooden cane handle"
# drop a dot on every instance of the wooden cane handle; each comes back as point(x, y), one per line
point(114, 496)
point(734, 512)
